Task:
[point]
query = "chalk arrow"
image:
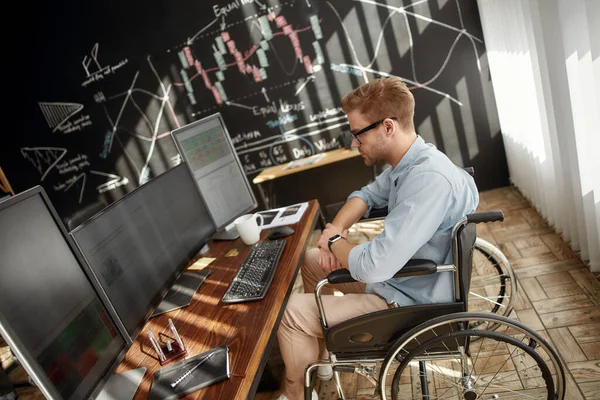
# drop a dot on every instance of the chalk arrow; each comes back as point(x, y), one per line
point(191, 40)
point(229, 103)
point(223, 24)
point(82, 176)
point(308, 3)
point(309, 79)
point(264, 92)
point(262, 6)
point(115, 180)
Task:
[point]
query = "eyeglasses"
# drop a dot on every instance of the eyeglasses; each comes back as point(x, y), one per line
point(368, 128)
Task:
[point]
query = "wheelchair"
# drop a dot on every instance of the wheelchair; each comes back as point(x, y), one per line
point(442, 351)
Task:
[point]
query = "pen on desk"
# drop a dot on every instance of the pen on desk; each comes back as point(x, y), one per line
point(189, 371)
point(156, 345)
point(176, 334)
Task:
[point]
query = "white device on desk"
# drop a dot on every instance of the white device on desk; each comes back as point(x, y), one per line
point(288, 215)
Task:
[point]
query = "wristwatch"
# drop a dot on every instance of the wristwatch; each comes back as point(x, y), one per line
point(334, 239)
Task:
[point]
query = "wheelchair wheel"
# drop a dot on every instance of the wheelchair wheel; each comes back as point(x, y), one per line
point(493, 284)
point(440, 359)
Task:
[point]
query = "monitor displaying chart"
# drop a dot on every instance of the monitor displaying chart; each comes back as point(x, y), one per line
point(207, 149)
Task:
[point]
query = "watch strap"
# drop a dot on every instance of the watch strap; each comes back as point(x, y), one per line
point(333, 239)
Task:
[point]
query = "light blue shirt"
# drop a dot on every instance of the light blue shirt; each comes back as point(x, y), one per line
point(426, 195)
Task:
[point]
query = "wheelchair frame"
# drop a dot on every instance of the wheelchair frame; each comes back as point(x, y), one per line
point(455, 324)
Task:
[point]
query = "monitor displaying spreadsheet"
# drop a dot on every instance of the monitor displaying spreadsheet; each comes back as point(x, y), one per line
point(206, 147)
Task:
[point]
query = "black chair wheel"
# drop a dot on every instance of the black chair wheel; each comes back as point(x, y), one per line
point(455, 361)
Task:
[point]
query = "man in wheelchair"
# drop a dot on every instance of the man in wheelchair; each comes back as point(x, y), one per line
point(426, 195)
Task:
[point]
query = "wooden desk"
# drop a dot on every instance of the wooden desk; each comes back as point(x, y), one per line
point(247, 328)
point(328, 158)
point(279, 171)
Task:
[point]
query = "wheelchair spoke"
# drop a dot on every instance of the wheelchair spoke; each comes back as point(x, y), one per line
point(498, 343)
point(489, 299)
point(473, 364)
point(448, 390)
point(494, 278)
point(498, 370)
point(504, 389)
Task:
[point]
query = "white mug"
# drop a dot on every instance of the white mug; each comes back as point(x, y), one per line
point(248, 228)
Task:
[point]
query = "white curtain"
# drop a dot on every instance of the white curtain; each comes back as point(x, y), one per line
point(544, 58)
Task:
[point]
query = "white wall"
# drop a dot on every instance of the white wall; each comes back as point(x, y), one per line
point(544, 58)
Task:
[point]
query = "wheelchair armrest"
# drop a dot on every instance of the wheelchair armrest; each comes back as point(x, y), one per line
point(340, 276)
point(412, 268)
point(417, 267)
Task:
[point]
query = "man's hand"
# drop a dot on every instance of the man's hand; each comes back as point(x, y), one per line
point(326, 258)
point(328, 261)
point(329, 231)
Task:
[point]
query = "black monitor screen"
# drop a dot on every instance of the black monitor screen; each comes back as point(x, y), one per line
point(138, 246)
point(207, 149)
point(50, 313)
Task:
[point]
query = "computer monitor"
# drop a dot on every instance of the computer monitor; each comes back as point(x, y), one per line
point(206, 147)
point(138, 246)
point(50, 314)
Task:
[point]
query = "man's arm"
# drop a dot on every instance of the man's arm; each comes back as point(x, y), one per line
point(341, 248)
point(359, 202)
point(422, 204)
point(350, 212)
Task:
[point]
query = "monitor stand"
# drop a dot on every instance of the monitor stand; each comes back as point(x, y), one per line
point(181, 293)
point(227, 233)
point(122, 386)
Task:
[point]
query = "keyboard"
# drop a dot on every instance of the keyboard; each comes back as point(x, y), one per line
point(256, 273)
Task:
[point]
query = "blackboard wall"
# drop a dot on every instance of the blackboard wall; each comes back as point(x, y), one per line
point(101, 84)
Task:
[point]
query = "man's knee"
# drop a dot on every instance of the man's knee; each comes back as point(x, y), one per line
point(290, 311)
point(300, 312)
point(311, 260)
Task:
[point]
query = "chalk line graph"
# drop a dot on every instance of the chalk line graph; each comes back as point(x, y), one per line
point(403, 11)
point(152, 122)
point(126, 98)
point(414, 82)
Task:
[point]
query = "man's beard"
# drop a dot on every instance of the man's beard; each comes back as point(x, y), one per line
point(377, 156)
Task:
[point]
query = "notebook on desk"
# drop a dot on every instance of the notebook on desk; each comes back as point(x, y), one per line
point(191, 374)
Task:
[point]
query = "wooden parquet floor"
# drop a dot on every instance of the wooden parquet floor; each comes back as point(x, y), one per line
point(558, 296)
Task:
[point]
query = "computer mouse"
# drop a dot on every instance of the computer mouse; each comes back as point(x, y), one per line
point(279, 232)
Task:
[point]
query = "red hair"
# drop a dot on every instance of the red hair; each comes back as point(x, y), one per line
point(383, 98)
